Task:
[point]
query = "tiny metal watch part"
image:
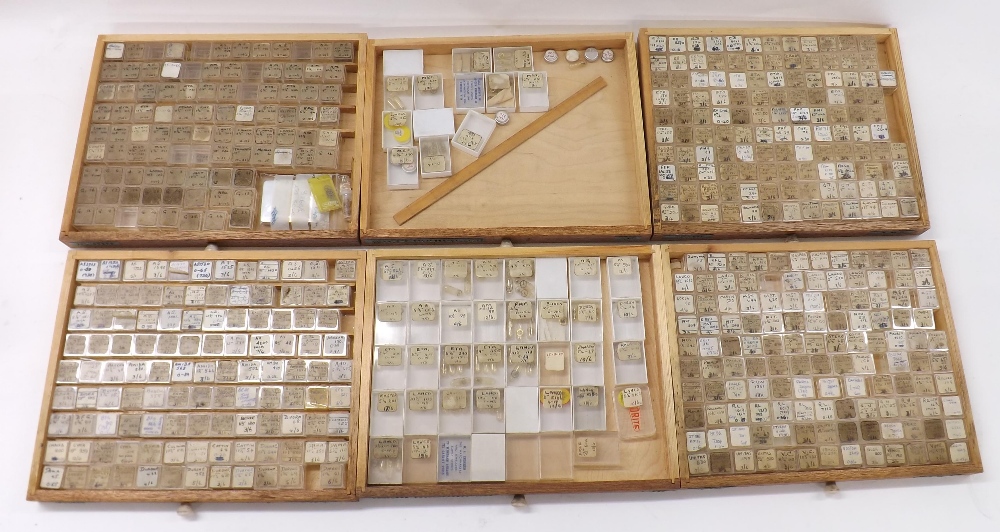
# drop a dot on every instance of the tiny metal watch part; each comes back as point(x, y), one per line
point(608, 55)
point(572, 56)
point(591, 54)
point(551, 56)
point(502, 118)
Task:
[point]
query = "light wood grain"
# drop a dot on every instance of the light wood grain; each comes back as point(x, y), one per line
point(494, 155)
point(582, 179)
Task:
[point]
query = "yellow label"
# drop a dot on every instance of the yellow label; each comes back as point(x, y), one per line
point(554, 397)
point(630, 397)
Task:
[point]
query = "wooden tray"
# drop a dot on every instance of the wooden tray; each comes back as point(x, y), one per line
point(673, 261)
point(350, 324)
point(582, 179)
point(352, 107)
point(695, 224)
point(922, 414)
point(647, 463)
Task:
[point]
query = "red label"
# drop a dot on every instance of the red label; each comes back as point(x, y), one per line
point(633, 414)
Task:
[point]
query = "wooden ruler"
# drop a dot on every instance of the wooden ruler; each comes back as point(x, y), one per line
point(505, 147)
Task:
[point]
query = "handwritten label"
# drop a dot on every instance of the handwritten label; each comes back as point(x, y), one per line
point(620, 265)
point(486, 311)
point(552, 310)
point(487, 268)
point(586, 312)
point(455, 355)
point(428, 82)
point(520, 310)
point(397, 83)
point(489, 353)
point(586, 448)
point(387, 401)
point(390, 312)
point(346, 270)
point(456, 269)
point(585, 266)
point(532, 80)
point(421, 355)
point(426, 269)
point(390, 355)
point(521, 353)
point(488, 399)
point(520, 267)
point(628, 308)
point(392, 270)
point(458, 317)
point(588, 396)
point(420, 399)
point(585, 353)
point(554, 397)
point(385, 448)
point(630, 397)
point(423, 312)
point(420, 448)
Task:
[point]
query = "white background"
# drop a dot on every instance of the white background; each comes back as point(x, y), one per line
point(950, 52)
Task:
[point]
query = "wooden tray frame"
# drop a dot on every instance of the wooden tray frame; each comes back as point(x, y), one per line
point(942, 316)
point(114, 237)
point(348, 493)
point(659, 382)
point(813, 228)
point(663, 387)
point(557, 232)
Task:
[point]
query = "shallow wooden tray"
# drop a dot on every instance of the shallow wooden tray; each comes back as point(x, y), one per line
point(581, 179)
point(647, 464)
point(352, 325)
point(353, 107)
point(901, 129)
